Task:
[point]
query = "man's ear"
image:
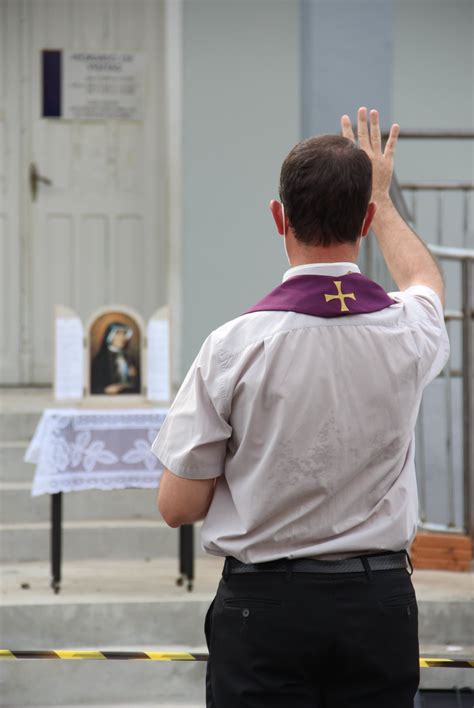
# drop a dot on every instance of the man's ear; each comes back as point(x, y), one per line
point(369, 215)
point(279, 217)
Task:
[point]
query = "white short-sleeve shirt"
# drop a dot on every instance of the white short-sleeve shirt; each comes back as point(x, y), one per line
point(308, 424)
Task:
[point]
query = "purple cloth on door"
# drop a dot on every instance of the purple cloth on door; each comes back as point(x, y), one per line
point(326, 296)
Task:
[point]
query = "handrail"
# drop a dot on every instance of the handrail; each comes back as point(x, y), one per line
point(438, 186)
point(452, 254)
point(433, 134)
point(465, 257)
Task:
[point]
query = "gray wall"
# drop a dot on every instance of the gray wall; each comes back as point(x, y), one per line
point(241, 115)
point(433, 88)
point(414, 61)
point(346, 61)
point(433, 84)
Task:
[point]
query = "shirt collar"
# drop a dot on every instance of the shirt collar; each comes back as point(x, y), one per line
point(335, 269)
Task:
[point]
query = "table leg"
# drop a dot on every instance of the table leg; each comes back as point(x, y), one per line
point(56, 540)
point(186, 555)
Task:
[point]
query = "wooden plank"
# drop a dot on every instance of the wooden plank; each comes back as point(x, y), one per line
point(442, 551)
point(442, 539)
point(431, 564)
point(426, 557)
point(459, 553)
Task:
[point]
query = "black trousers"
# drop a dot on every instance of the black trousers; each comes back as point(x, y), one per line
point(307, 640)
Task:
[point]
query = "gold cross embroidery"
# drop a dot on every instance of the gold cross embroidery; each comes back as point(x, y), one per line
point(340, 296)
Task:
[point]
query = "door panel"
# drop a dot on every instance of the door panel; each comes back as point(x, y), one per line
point(97, 233)
point(10, 227)
point(91, 249)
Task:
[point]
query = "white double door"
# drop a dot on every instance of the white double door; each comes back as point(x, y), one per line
point(96, 234)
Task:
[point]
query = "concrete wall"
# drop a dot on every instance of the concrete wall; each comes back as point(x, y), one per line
point(433, 88)
point(241, 115)
point(433, 84)
point(346, 61)
point(412, 59)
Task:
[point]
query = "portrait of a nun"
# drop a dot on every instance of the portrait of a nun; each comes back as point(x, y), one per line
point(113, 369)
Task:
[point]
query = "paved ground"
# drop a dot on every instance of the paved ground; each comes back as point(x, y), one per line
point(35, 400)
point(139, 581)
point(142, 581)
point(111, 581)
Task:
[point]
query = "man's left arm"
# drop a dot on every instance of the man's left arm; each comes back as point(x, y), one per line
point(192, 443)
point(184, 501)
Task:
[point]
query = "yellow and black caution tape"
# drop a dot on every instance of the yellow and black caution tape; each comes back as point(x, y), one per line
point(425, 662)
point(445, 663)
point(102, 654)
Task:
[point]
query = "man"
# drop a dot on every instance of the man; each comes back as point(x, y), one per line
point(292, 436)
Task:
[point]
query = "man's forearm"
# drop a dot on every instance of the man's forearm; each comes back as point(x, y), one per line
point(184, 501)
point(408, 259)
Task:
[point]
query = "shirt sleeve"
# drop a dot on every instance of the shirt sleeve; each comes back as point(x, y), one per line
point(426, 319)
point(192, 442)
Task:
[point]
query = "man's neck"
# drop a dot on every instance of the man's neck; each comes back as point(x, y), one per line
point(302, 254)
point(323, 255)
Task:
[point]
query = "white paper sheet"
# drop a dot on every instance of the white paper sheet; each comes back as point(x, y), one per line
point(102, 85)
point(158, 354)
point(69, 374)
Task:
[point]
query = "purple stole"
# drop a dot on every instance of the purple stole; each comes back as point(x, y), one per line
point(326, 296)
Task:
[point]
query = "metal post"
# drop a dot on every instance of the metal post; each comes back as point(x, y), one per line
point(465, 218)
point(56, 540)
point(468, 395)
point(186, 555)
point(421, 463)
point(439, 218)
point(449, 437)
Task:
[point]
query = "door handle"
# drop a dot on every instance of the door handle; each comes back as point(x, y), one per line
point(35, 177)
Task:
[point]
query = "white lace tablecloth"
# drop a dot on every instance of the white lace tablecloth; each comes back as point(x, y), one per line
point(76, 449)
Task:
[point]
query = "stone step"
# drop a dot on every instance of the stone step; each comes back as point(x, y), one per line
point(155, 704)
point(108, 603)
point(55, 683)
point(24, 683)
point(17, 504)
point(136, 605)
point(52, 683)
point(101, 600)
point(12, 466)
point(446, 679)
point(160, 704)
point(21, 409)
point(18, 425)
point(118, 539)
point(105, 604)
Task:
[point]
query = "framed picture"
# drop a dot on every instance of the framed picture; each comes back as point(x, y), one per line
point(115, 356)
point(114, 360)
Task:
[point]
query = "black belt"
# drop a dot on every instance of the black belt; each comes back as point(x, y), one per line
point(358, 564)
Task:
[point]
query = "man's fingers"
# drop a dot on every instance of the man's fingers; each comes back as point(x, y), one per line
point(346, 127)
point(392, 140)
point(362, 130)
point(375, 137)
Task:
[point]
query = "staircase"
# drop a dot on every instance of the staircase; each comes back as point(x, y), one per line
point(119, 592)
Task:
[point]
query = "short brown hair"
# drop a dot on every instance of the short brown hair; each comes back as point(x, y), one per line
point(325, 186)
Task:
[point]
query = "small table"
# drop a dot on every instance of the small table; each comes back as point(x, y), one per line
point(76, 449)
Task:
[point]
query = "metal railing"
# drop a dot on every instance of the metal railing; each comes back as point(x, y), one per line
point(466, 317)
point(439, 190)
point(455, 374)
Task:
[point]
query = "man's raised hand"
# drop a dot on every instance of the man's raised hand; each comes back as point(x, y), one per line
point(371, 142)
